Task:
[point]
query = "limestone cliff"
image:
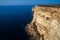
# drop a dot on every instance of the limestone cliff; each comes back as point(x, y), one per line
point(45, 24)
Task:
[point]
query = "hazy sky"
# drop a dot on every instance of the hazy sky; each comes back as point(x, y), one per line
point(28, 2)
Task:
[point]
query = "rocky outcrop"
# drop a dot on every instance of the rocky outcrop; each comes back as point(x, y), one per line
point(45, 24)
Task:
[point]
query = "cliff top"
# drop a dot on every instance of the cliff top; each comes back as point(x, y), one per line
point(58, 5)
point(47, 8)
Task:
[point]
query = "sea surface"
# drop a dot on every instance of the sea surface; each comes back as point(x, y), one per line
point(13, 20)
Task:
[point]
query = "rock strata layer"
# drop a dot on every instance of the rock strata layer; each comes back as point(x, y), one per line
point(45, 24)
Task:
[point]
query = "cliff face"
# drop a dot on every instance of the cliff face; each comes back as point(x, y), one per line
point(45, 24)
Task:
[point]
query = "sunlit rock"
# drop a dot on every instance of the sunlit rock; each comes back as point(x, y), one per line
point(45, 24)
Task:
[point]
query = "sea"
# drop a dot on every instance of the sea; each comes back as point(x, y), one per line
point(13, 20)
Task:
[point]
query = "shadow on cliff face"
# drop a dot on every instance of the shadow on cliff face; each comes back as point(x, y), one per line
point(21, 31)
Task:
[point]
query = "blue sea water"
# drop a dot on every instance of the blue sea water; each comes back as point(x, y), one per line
point(12, 21)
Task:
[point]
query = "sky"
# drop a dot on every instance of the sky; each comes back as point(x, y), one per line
point(28, 2)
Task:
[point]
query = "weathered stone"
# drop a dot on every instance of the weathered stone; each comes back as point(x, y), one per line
point(45, 24)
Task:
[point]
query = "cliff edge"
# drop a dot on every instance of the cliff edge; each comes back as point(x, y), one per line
point(45, 24)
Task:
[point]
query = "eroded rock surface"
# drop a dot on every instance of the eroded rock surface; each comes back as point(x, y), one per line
point(45, 24)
